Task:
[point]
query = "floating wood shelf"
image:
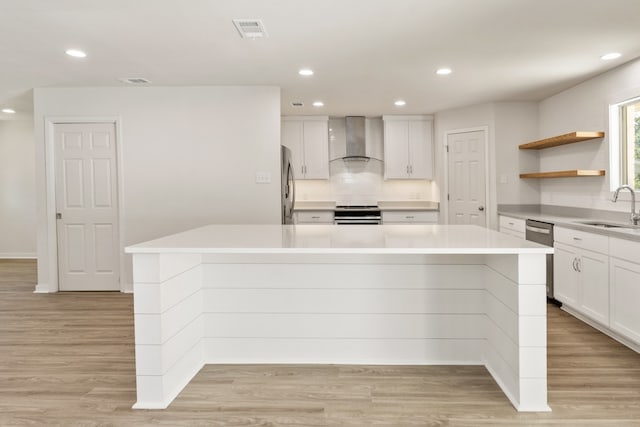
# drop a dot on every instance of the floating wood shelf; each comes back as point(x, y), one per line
point(564, 174)
point(568, 138)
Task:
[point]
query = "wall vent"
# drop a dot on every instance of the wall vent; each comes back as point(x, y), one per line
point(135, 80)
point(250, 28)
point(297, 104)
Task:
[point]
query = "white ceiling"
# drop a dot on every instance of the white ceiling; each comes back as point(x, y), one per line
point(365, 53)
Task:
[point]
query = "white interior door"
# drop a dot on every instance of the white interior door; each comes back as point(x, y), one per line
point(87, 207)
point(467, 178)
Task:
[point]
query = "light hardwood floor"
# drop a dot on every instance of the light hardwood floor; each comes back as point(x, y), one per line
point(68, 359)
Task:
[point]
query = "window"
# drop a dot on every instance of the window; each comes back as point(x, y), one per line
point(625, 143)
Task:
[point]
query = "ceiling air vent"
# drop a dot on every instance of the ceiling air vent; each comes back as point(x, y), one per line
point(250, 28)
point(135, 80)
point(297, 104)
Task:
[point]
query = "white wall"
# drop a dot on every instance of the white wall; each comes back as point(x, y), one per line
point(188, 158)
point(17, 189)
point(584, 107)
point(515, 124)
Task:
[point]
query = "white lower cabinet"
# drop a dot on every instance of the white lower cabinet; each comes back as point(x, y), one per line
point(512, 226)
point(594, 290)
point(624, 284)
point(597, 278)
point(581, 276)
point(313, 217)
point(565, 275)
point(409, 217)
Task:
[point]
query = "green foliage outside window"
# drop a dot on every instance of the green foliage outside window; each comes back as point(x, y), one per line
point(637, 150)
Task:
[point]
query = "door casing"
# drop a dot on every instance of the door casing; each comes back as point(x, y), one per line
point(52, 238)
point(488, 201)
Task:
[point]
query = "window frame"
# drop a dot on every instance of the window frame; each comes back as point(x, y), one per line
point(617, 165)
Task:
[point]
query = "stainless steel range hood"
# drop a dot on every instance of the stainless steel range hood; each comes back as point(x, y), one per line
point(352, 138)
point(356, 138)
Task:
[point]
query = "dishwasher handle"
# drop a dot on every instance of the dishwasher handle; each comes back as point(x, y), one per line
point(538, 229)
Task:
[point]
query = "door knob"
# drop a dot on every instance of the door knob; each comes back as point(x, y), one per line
point(480, 208)
point(58, 215)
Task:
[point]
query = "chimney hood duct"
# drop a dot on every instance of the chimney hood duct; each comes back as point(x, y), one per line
point(356, 138)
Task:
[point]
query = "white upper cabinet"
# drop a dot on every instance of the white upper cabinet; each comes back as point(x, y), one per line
point(408, 147)
point(308, 139)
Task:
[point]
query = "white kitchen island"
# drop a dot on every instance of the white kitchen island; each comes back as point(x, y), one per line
point(340, 294)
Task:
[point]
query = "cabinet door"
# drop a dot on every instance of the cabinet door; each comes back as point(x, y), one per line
point(396, 149)
point(565, 275)
point(314, 217)
point(316, 149)
point(513, 233)
point(409, 217)
point(420, 150)
point(594, 286)
point(624, 282)
point(292, 134)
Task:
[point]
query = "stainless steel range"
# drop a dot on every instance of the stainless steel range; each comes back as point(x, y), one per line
point(345, 215)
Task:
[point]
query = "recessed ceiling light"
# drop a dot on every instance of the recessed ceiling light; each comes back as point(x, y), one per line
point(76, 53)
point(610, 56)
point(306, 72)
point(8, 111)
point(318, 104)
point(400, 103)
point(443, 71)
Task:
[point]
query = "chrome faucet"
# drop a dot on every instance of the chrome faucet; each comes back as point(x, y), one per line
point(635, 217)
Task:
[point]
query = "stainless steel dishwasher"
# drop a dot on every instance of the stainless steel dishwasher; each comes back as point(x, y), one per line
point(542, 233)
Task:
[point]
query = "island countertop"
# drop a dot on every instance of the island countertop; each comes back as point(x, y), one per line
point(335, 239)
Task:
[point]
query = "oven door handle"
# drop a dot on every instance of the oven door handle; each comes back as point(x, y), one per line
point(538, 230)
point(352, 218)
point(356, 221)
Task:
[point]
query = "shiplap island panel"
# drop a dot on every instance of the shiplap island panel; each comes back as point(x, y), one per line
point(379, 294)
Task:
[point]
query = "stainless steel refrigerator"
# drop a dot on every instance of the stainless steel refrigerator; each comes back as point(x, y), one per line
point(288, 185)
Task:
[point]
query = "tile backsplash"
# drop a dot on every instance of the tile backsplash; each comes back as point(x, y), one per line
point(358, 183)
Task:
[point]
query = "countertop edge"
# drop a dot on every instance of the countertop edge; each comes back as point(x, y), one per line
point(342, 251)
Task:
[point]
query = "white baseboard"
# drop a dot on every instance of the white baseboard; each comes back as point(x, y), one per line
point(43, 288)
point(18, 255)
point(605, 330)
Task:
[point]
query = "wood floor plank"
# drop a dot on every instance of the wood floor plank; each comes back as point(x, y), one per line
point(68, 359)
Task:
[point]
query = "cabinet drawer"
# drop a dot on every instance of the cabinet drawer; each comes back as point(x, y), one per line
point(513, 233)
point(324, 217)
point(515, 224)
point(624, 249)
point(581, 239)
point(410, 217)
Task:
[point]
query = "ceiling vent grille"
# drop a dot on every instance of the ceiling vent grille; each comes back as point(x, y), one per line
point(297, 104)
point(250, 28)
point(135, 80)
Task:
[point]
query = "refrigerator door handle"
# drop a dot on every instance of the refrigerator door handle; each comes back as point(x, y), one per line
point(293, 189)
